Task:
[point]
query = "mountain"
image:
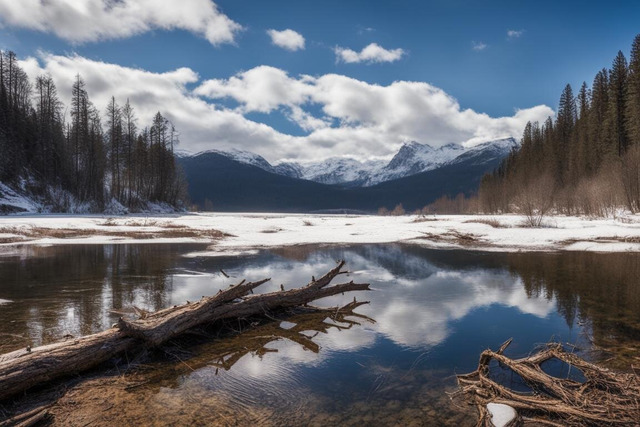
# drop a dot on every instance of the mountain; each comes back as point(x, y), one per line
point(411, 159)
point(234, 183)
point(336, 170)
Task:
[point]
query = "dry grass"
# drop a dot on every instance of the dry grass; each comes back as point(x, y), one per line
point(492, 222)
point(168, 231)
point(271, 230)
point(603, 239)
point(455, 237)
point(423, 218)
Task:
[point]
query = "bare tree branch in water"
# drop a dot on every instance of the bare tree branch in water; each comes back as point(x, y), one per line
point(23, 369)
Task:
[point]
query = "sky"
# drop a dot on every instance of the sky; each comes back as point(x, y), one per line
point(306, 80)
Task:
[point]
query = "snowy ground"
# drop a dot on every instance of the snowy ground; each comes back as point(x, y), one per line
point(237, 233)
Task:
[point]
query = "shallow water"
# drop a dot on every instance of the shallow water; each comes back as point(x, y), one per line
point(434, 312)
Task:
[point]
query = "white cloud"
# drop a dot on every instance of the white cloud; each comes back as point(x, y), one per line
point(343, 115)
point(478, 46)
point(514, 34)
point(370, 54)
point(287, 39)
point(92, 20)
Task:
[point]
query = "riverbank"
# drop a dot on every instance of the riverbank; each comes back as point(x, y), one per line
point(240, 232)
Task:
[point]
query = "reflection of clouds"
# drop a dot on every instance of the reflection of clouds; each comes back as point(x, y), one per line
point(414, 301)
point(421, 315)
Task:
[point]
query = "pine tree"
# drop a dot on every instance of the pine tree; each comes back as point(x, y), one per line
point(633, 94)
point(616, 131)
point(596, 130)
point(579, 139)
point(129, 140)
point(565, 123)
point(114, 134)
point(79, 128)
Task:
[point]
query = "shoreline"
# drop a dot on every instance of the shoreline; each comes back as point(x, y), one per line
point(231, 233)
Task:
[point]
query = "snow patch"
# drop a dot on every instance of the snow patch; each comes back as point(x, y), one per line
point(501, 414)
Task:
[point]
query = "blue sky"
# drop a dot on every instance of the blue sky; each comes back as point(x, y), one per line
point(459, 50)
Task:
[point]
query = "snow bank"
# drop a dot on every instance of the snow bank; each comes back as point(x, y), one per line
point(248, 232)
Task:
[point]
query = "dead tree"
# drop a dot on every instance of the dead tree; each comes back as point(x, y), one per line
point(23, 369)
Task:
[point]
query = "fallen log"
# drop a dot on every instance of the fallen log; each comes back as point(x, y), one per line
point(605, 398)
point(23, 369)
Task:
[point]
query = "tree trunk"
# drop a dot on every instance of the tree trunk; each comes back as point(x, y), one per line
point(23, 369)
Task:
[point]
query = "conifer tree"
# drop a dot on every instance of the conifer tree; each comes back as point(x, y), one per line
point(616, 130)
point(596, 130)
point(633, 94)
point(565, 123)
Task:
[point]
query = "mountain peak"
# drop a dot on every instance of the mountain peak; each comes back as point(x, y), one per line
point(412, 158)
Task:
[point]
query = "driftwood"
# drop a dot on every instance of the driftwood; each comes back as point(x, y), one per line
point(23, 369)
point(605, 398)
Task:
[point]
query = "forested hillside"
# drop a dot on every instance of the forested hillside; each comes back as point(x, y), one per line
point(587, 160)
point(71, 158)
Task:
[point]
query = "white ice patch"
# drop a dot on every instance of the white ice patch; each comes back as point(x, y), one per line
point(501, 414)
point(287, 325)
point(220, 253)
point(4, 301)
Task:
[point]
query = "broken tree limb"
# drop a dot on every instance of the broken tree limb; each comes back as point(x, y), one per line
point(233, 302)
point(23, 369)
point(605, 398)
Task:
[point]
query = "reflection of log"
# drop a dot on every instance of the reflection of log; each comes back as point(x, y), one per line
point(23, 369)
point(606, 398)
point(307, 319)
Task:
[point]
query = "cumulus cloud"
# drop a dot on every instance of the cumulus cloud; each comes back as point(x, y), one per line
point(370, 54)
point(370, 117)
point(202, 125)
point(478, 46)
point(342, 115)
point(287, 39)
point(92, 20)
point(514, 34)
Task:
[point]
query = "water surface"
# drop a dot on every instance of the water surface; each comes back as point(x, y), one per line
point(434, 312)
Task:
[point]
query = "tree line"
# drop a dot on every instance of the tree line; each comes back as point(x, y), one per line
point(81, 161)
point(586, 161)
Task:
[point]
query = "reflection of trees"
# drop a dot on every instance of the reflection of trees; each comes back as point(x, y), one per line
point(602, 289)
point(92, 279)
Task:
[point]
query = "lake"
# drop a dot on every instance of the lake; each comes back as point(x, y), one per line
point(430, 315)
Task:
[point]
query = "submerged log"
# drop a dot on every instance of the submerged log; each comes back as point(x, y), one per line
point(605, 398)
point(23, 369)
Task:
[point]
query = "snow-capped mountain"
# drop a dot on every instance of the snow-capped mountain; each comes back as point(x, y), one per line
point(336, 170)
point(241, 156)
point(411, 159)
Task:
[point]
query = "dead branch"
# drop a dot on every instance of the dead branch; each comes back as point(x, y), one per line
point(605, 398)
point(23, 369)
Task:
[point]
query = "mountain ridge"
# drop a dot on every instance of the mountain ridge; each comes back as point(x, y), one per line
point(412, 158)
point(222, 183)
